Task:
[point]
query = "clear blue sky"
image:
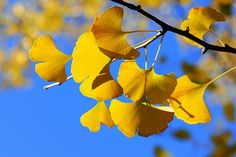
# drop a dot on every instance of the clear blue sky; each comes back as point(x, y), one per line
point(39, 123)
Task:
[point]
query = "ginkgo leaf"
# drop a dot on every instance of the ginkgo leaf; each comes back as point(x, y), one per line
point(87, 59)
point(138, 83)
point(107, 29)
point(187, 100)
point(52, 61)
point(102, 86)
point(141, 117)
point(98, 115)
point(200, 20)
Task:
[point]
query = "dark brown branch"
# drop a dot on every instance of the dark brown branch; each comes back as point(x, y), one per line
point(185, 33)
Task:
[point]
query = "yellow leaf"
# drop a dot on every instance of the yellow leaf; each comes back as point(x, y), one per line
point(87, 60)
point(150, 3)
point(19, 59)
point(102, 86)
point(52, 61)
point(138, 83)
point(199, 21)
point(141, 117)
point(99, 114)
point(107, 29)
point(187, 100)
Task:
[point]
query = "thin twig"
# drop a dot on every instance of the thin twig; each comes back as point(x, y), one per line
point(185, 33)
point(142, 31)
point(148, 41)
point(158, 51)
point(57, 83)
point(146, 57)
point(217, 37)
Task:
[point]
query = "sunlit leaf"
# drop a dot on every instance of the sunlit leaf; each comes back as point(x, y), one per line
point(87, 60)
point(138, 83)
point(141, 117)
point(199, 21)
point(51, 66)
point(107, 29)
point(187, 100)
point(98, 115)
point(102, 86)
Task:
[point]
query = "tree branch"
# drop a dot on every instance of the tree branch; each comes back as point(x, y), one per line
point(185, 33)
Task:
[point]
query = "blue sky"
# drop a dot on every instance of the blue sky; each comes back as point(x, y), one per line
point(39, 123)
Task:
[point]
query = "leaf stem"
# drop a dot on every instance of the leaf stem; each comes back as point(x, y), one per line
point(142, 31)
point(217, 37)
point(158, 51)
point(57, 83)
point(148, 41)
point(224, 73)
point(146, 57)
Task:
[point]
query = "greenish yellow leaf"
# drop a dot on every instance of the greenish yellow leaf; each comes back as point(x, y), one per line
point(98, 115)
point(146, 119)
point(52, 61)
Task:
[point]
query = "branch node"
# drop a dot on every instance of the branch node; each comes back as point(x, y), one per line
point(226, 45)
point(163, 31)
point(187, 30)
point(139, 7)
point(204, 50)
